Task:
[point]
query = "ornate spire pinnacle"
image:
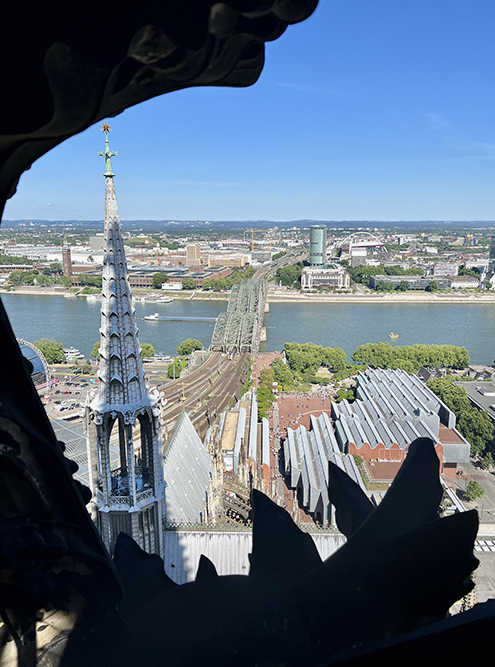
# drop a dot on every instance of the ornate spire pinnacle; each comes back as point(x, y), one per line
point(107, 154)
point(122, 384)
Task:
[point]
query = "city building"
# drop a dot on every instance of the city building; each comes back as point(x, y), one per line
point(445, 269)
point(317, 245)
point(127, 493)
point(392, 409)
point(414, 282)
point(358, 256)
point(193, 254)
point(66, 262)
point(306, 457)
point(465, 282)
point(97, 242)
point(331, 276)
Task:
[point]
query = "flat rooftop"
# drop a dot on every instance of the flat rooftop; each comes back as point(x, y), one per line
point(229, 430)
point(483, 401)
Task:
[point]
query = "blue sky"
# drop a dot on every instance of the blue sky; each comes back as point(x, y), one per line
point(369, 110)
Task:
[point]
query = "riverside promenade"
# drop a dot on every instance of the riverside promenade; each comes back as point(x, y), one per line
point(394, 298)
point(283, 296)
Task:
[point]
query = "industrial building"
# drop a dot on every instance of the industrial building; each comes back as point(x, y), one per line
point(317, 245)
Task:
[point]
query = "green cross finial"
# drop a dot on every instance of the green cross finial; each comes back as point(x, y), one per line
point(107, 154)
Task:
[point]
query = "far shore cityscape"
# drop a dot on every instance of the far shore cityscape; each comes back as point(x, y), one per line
point(243, 408)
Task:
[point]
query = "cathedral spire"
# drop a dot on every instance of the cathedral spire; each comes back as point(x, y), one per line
point(121, 370)
point(127, 484)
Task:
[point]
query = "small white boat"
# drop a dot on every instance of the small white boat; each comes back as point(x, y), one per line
point(94, 297)
point(155, 316)
point(164, 299)
point(70, 296)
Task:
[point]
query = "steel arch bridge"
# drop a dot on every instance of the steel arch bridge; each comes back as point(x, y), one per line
point(369, 240)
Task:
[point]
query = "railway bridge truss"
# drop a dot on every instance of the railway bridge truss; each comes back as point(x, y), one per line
point(239, 329)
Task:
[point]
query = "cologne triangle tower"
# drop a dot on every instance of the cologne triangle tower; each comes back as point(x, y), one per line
point(122, 422)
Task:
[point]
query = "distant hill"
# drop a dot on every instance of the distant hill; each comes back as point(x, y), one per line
point(158, 225)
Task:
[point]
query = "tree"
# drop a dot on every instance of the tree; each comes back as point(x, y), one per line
point(283, 375)
point(42, 280)
point(188, 283)
point(55, 267)
point(187, 346)
point(147, 350)
point(475, 425)
point(159, 279)
point(488, 460)
point(432, 287)
point(52, 351)
point(474, 490)
point(95, 352)
point(174, 369)
point(90, 258)
point(290, 276)
point(65, 280)
point(46, 271)
point(15, 278)
point(403, 286)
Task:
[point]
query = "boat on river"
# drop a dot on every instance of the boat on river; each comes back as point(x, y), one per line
point(155, 316)
point(393, 336)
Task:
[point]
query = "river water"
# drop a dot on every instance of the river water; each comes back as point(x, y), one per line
point(76, 322)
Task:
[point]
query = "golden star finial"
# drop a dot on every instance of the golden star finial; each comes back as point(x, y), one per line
point(105, 127)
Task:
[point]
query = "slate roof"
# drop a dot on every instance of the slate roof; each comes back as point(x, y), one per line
point(187, 470)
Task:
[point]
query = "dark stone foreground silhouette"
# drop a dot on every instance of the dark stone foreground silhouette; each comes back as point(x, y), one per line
point(381, 599)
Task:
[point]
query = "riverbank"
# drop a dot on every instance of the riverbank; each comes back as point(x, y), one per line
point(53, 291)
point(387, 298)
point(394, 298)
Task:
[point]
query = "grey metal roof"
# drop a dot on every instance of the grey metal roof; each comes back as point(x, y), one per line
point(253, 428)
point(265, 442)
point(456, 452)
point(239, 436)
point(187, 470)
point(72, 435)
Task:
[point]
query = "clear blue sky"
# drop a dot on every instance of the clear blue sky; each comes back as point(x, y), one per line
point(369, 110)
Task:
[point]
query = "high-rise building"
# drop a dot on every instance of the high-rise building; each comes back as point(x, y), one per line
point(317, 245)
point(66, 261)
point(193, 254)
point(122, 423)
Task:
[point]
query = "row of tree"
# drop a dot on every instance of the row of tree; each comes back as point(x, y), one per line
point(304, 360)
point(48, 276)
point(475, 425)
point(411, 357)
point(264, 393)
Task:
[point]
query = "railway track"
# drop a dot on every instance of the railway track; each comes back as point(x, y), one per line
point(206, 392)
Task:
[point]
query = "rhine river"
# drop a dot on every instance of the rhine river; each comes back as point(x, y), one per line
point(76, 322)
